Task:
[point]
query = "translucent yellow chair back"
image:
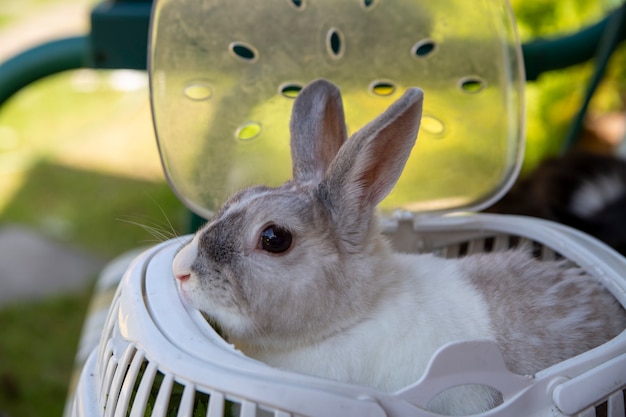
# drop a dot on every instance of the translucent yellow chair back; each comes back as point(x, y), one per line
point(224, 74)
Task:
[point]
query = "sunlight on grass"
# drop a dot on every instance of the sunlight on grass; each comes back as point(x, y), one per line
point(11, 184)
point(83, 120)
point(97, 123)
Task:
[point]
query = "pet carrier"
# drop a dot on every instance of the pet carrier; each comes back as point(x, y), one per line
point(223, 78)
point(156, 357)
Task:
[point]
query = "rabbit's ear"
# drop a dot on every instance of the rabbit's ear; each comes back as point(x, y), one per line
point(318, 130)
point(370, 163)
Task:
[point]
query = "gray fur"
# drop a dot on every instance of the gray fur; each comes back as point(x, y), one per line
point(317, 113)
point(543, 312)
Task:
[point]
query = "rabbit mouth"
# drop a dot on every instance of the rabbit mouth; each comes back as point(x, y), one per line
point(183, 292)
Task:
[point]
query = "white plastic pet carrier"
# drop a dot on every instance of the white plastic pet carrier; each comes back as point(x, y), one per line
point(223, 78)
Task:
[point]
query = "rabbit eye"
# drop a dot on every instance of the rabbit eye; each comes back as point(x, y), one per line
point(275, 239)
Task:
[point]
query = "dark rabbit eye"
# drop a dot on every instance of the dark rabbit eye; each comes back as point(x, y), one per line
point(275, 239)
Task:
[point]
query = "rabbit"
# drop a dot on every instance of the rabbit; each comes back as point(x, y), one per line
point(301, 278)
point(582, 189)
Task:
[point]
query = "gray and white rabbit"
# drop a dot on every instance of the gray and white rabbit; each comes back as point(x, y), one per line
point(300, 277)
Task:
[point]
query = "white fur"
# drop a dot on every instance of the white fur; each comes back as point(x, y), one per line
point(432, 304)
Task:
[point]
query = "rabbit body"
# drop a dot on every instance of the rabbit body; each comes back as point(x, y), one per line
point(390, 345)
point(299, 276)
point(427, 301)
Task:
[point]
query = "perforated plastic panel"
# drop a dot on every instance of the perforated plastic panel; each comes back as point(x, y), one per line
point(224, 74)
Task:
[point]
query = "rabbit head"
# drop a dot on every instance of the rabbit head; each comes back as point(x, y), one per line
point(284, 265)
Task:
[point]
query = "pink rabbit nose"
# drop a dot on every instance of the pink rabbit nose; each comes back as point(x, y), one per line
point(183, 277)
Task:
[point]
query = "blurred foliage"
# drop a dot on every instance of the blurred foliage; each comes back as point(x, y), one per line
point(554, 99)
point(540, 18)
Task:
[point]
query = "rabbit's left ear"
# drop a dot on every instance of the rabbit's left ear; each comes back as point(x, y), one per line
point(317, 128)
point(370, 163)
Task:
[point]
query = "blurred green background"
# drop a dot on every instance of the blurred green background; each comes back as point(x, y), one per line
point(79, 164)
point(554, 99)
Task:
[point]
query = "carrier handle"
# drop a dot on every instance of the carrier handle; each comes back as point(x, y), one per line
point(585, 390)
point(465, 363)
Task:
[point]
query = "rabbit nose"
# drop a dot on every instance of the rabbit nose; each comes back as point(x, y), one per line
point(183, 260)
point(181, 269)
point(183, 277)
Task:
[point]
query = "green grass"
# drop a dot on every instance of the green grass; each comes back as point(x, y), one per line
point(78, 163)
point(94, 211)
point(82, 168)
point(37, 352)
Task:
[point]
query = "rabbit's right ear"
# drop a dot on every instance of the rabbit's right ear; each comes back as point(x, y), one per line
point(318, 130)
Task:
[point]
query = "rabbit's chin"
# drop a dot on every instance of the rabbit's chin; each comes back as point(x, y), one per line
point(228, 318)
point(231, 324)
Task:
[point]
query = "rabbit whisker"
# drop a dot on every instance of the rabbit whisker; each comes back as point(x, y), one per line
point(158, 231)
